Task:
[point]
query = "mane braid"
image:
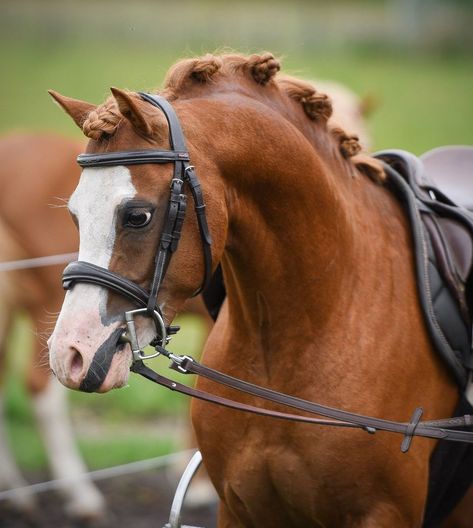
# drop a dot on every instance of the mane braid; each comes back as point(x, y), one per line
point(316, 105)
point(258, 73)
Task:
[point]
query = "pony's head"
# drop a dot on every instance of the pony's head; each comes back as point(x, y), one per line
point(121, 212)
point(121, 209)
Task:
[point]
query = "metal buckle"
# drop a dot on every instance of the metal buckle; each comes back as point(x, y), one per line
point(177, 362)
point(187, 170)
point(175, 181)
point(129, 336)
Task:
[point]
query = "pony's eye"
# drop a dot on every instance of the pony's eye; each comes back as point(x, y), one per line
point(138, 218)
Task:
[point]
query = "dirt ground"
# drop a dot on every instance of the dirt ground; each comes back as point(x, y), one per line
point(139, 501)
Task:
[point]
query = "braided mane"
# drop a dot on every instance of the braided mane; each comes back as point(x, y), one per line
point(257, 76)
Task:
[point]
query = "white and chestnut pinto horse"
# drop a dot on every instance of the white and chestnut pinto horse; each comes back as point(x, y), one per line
point(37, 175)
point(321, 291)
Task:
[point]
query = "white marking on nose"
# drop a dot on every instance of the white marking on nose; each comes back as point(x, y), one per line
point(84, 324)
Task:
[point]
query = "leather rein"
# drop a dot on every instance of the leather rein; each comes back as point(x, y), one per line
point(147, 306)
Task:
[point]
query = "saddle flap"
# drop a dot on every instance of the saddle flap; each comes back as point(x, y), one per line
point(452, 244)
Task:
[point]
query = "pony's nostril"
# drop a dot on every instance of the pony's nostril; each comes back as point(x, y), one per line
point(77, 364)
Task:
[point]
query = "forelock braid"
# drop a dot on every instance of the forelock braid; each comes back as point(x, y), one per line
point(103, 120)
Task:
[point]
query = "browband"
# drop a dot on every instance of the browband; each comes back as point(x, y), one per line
point(130, 157)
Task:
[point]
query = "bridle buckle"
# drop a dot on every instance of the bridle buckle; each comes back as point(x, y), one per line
point(130, 336)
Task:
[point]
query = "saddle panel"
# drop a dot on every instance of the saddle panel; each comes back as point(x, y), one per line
point(450, 169)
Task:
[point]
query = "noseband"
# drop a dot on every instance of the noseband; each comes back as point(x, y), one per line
point(146, 301)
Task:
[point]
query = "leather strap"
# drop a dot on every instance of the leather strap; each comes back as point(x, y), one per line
point(199, 207)
point(436, 429)
point(80, 271)
point(130, 157)
point(140, 368)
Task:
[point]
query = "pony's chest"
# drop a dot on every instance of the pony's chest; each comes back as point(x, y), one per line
point(257, 470)
point(265, 487)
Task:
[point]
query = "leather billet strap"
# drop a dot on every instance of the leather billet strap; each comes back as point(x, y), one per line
point(435, 429)
point(183, 174)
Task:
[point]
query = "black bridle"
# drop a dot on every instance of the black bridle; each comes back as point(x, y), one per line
point(184, 173)
point(147, 303)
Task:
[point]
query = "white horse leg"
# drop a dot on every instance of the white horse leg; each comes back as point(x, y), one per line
point(83, 497)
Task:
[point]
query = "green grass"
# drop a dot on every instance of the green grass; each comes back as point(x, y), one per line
point(423, 100)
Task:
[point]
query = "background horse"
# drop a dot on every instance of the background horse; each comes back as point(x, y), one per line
point(34, 223)
point(322, 302)
point(45, 165)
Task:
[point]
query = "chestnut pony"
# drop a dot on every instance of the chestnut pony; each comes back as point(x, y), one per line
point(321, 294)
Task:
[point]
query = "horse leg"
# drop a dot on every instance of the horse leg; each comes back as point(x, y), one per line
point(49, 398)
point(10, 475)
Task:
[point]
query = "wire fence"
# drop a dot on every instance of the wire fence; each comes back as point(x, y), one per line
point(38, 262)
point(100, 474)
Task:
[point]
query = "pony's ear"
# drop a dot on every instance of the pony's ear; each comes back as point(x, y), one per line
point(131, 108)
point(78, 110)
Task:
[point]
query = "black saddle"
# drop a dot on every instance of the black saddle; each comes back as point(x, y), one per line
point(443, 239)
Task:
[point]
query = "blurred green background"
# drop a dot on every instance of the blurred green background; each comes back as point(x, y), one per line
point(413, 58)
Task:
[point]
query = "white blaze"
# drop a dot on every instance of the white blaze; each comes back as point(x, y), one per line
point(82, 322)
point(94, 203)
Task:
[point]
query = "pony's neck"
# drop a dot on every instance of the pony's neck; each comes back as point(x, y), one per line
point(290, 235)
